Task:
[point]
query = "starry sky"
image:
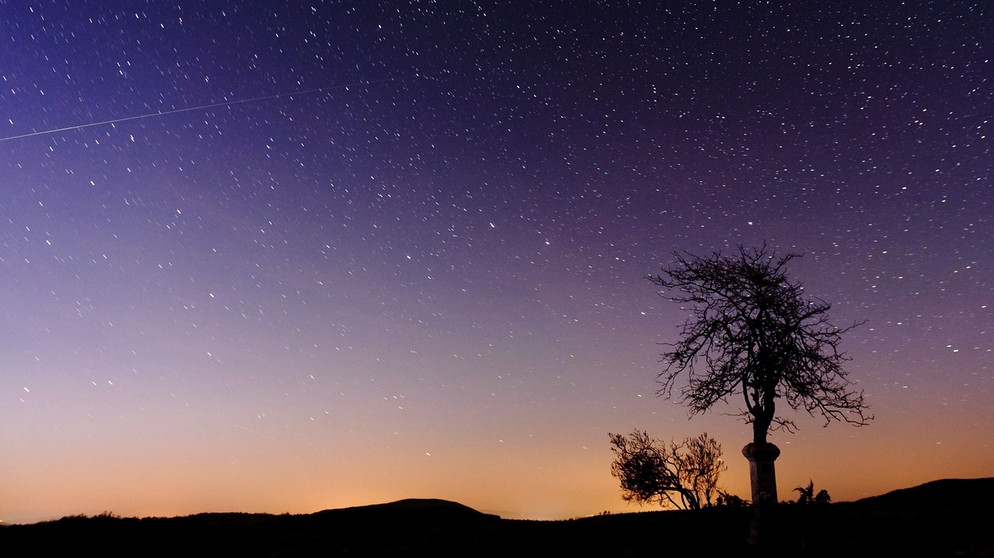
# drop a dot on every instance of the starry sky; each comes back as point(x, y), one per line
point(271, 256)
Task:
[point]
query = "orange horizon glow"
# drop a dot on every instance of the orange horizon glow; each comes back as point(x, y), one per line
point(541, 483)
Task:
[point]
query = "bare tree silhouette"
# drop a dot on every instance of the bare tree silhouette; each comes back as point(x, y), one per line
point(682, 475)
point(753, 332)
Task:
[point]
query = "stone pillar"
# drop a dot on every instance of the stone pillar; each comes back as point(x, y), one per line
point(764, 489)
point(762, 472)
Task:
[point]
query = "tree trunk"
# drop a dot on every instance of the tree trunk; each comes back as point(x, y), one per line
point(760, 428)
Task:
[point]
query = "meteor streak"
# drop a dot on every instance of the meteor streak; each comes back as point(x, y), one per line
point(205, 107)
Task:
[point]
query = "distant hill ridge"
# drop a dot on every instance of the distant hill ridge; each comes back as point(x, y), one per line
point(955, 493)
point(411, 504)
point(942, 518)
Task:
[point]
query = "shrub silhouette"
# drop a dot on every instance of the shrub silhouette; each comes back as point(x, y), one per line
point(682, 475)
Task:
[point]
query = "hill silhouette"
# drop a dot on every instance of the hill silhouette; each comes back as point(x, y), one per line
point(943, 518)
point(431, 506)
point(956, 493)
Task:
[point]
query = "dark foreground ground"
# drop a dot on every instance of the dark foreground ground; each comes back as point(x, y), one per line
point(953, 518)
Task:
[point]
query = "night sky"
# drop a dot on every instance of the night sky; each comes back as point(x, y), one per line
point(288, 256)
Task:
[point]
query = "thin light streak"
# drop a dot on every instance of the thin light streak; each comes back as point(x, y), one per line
point(207, 106)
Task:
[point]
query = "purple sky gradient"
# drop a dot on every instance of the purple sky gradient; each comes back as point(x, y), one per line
point(283, 256)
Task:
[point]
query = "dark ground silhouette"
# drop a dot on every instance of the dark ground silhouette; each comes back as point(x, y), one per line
point(942, 518)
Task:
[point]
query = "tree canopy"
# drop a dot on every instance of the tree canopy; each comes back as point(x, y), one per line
point(752, 331)
point(682, 475)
